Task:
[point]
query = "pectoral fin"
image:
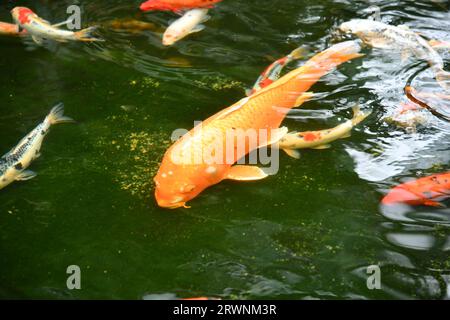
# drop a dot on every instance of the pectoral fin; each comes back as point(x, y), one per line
point(56, 25)
point(37, 40)
point(293, 153)
point(197, 28)
point(321, 147)
point(26, 175)
point(303, 98)
point(246, 173)
point(347, 135)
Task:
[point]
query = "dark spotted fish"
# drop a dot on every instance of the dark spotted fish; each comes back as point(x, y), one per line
point(13, 165)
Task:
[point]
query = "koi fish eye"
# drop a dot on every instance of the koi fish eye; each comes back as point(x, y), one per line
point(187, 188)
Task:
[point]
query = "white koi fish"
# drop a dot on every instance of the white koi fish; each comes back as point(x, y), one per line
point(40, 29)
point(383, 36)
point(13, 165)
point(319, 139)
point(187, 24)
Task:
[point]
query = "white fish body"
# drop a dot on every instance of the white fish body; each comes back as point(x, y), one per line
point(40, 29)
point(189, 23)
point(13, 165)
point(380, 35)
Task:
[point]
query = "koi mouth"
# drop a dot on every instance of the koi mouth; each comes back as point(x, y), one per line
point(172, 204)
point(177, 205)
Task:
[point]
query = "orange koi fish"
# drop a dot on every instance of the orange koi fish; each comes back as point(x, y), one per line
point(186, 169)
point(9, 29)
point(424, 191)
point(176, 5)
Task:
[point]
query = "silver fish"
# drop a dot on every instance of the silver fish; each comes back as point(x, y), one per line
point(14, 164)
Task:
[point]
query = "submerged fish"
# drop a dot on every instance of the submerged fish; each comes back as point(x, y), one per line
point(380, 35)
point(272, 72)
point(186, 169)
point(424, 191)
point(13, 165)
point(293, 141)
point(177, 5)
point(40, 29)
point(408, 116)
point(187, 24)
point(9, 29)
point(131, 25)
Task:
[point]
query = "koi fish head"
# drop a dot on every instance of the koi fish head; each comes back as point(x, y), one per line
point(359, 27)
point(171, 36)
point(21, 15)
point(176, 185)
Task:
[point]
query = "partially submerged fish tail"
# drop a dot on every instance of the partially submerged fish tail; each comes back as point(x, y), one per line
point(86, 35)
point(56, 115)
point(359, 115)
point(443, 78)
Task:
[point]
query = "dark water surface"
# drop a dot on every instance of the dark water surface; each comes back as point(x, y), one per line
point(309, 232)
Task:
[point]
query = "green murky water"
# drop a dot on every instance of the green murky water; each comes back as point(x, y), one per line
point(309, 232)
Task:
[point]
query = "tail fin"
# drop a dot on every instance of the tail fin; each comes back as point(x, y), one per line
point(86, 35)
point(358, 115)
point(298, 53)
point(443, 78)
point(56, 115)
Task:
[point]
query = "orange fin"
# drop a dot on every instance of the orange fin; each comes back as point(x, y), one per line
point(303, 98)
point(436, 204)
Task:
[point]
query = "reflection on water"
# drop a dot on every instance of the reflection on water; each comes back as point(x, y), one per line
point(310, 232)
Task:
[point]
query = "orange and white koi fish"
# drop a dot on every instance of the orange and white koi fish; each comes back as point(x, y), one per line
point(272, 72)
point(321, 139)
point(428, 191)
point(40, 29)
point(189, 23)
point(186, 169)
point(8, 29)
point(177, 5)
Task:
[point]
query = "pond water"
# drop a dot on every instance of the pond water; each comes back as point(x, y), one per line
point(309, 232)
